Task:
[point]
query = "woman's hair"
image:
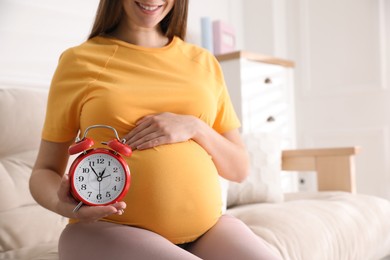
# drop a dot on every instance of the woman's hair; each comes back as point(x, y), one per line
point(109, 14)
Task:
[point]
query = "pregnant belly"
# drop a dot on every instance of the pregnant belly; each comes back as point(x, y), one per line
point(174, 192)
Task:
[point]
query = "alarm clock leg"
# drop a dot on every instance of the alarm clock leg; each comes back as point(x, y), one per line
point(78, 207)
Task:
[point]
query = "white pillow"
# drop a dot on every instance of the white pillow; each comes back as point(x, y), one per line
point(264, 181)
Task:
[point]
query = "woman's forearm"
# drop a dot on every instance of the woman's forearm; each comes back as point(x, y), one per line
point(46, 177)
point(227, 150)
point(44, 185)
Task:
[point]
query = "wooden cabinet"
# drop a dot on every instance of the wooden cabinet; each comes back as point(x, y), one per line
point(261, 89)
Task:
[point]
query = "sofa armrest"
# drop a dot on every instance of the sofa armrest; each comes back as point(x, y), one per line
point(335, 167)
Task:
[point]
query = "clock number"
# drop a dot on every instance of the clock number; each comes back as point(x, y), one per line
point(89, 194)
point(115, 169)
point(117, 178)
point(99, 196)
point(108, 194)
point(84, 187)
point(81, 178)
point(100, 161)
point(91, 163)
point(114, 188)
point(85, 170)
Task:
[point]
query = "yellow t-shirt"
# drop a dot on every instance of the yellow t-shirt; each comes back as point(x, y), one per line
point(175, 189)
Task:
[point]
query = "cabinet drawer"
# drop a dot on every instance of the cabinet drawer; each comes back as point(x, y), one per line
point(270, 117)
point(264, 74)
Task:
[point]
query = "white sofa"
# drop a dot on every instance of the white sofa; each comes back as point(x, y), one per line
point(334, 225)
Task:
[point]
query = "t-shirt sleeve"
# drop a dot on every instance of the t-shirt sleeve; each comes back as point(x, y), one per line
point(226, 118)
point(65, 99)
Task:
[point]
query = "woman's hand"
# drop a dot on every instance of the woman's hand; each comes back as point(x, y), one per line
point(67, 204)
point(164, 128)
point(227, 150)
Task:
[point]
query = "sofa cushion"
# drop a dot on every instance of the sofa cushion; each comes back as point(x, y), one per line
point(28, 226)
point(22, 112)
point(42, 251)
point(325, 225)
point(15, 171)
point(23, 223)
point(264, 181)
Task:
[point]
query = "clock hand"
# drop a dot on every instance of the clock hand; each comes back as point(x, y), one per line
point(102, 173)
point(106, 176)
point(94, 172)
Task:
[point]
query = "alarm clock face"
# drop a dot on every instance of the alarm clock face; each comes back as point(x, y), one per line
point(99, 177)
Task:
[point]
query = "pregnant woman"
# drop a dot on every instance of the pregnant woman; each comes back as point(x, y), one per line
point(168, 100)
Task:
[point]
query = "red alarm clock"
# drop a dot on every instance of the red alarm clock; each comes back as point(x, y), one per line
point(99, 176)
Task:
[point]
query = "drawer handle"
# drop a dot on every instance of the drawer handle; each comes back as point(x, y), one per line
point(268, 81)
point(271, 119)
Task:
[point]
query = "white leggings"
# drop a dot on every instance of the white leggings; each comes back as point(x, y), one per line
point(228, 239)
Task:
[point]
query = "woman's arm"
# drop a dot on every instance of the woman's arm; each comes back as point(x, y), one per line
point(227, 150)
point(50, 186)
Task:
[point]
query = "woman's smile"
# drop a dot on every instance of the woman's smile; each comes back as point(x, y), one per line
point(147, 8)
point(146, 13)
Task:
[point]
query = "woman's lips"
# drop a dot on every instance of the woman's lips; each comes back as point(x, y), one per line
point(148, 8)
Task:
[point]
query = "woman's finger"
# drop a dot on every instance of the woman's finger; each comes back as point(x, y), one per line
point(138, 132)
point(151, 143)
point(94, 213)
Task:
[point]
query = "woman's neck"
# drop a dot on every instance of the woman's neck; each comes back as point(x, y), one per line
point(145, 37)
